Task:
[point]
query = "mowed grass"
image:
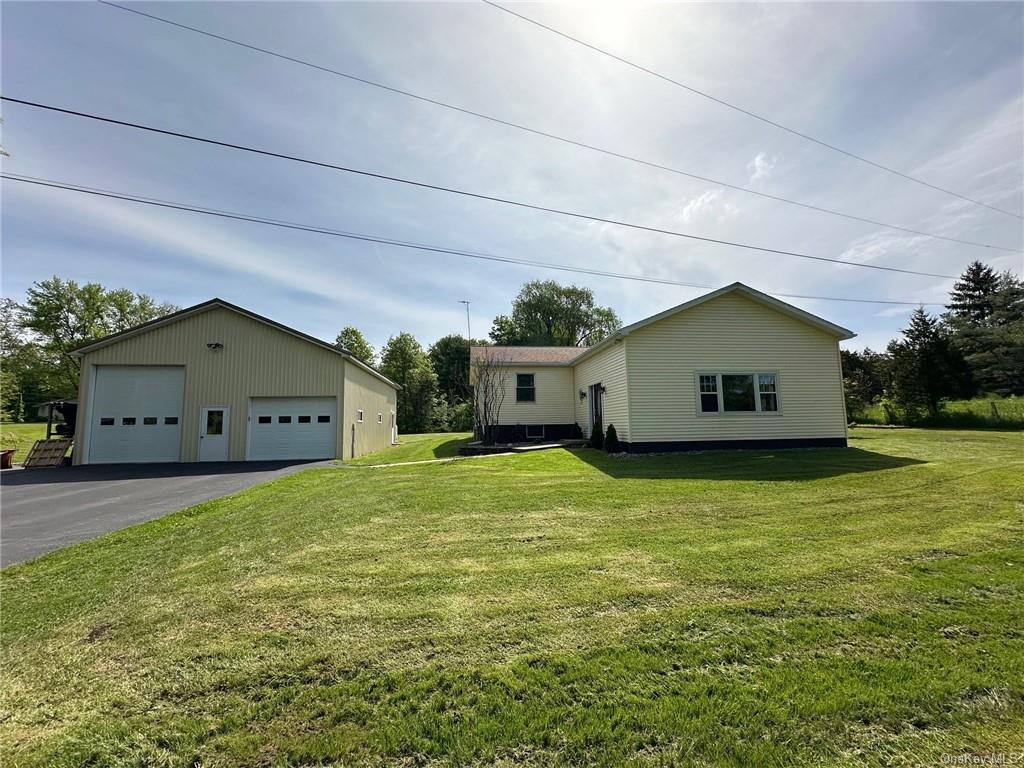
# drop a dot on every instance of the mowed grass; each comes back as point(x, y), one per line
point(21, 437)
point(833, 607)
point(423, 447)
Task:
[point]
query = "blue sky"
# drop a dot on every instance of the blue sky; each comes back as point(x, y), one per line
point(932, 89)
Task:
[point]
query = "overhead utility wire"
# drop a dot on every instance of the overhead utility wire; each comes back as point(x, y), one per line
point(220, 213)
point(555, 137)
point(747, 112)
point(464, 193)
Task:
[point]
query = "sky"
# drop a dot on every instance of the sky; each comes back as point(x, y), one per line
point(935, 90)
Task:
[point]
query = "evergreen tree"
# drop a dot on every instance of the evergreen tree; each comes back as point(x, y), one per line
point(924, 367)
point(970, 300)
point(994, 350)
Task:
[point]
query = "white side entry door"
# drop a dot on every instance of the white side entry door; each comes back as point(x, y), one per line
point(213, 433)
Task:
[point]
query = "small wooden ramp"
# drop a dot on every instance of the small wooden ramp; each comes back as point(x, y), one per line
point(47, 453)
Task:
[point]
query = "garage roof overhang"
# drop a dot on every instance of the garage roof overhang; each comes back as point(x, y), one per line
point(215, 303)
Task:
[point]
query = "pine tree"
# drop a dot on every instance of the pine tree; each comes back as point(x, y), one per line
point(924, 367)
point(971, 297)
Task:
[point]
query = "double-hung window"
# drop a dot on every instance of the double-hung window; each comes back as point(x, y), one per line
point(526, 391)
point(755, 392)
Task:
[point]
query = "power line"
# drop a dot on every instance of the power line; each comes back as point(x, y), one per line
point(747, 112)
point(465, 193)
point(220, 213)
point(546, 134)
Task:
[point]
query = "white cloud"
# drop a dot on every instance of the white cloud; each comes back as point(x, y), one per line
point(761, 168)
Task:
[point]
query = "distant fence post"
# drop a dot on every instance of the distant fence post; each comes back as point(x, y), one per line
point(995, 411)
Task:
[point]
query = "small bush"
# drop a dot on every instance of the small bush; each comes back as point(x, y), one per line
point(611, 440)
point(597, 437)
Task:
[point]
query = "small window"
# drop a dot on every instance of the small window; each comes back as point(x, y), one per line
point(534, 431)
point(107, 421)
point(359, 416)
point(215, 422)
point(709, 393)
point(380, 418)
point(128, 421)
point(148, 420)
point(768, 393)
point(170, 420)
point(323, 419)
point(284, 419)
point(526, 392)
point(304, 420)
point(265, 419)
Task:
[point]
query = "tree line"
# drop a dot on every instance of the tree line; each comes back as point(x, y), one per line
point(975, 347)
point(38, 337)
point(436, 393)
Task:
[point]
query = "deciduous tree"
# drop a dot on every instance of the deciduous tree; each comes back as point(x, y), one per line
point(351, 339)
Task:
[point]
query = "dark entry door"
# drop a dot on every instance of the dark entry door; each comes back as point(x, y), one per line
point(596, 407)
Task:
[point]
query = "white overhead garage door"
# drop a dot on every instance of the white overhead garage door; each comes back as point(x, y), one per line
point(292, 428)
point(136, 414)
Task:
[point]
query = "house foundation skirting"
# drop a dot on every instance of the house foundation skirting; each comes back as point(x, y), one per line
point(668, 446)
point(516, 433)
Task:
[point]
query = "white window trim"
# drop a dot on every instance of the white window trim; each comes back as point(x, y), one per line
point(515, 388)
point(757, 392)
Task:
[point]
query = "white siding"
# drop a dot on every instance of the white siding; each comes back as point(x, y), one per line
point(732, 333)
point(608, 368)
point(554, 397)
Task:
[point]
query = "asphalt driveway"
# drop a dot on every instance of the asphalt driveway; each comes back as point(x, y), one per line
point(45, 509)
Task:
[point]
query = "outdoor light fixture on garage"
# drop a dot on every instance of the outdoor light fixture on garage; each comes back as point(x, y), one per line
point(215, 346)
point(583, 394)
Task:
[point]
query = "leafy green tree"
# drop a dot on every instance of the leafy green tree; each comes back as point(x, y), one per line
point(405, 363)
point(548, 314)
point(505, 332)
point(924, 367)
point(351, 339)
point(450, 358)
point(61, 315)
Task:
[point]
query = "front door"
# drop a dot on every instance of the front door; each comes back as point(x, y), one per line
point(596, 407)
point(213, 433)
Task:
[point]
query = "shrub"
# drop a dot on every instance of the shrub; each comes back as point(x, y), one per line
point(576, 433)
point(611, 440)
point(597, 437)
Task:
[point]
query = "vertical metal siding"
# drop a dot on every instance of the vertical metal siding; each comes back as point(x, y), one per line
point(732, 333)
point(257, 361)
point(366, 392)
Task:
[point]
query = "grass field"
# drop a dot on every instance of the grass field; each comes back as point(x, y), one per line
point(1008, 413)
point(21, 437)
point(438, 445)
point(858, 607)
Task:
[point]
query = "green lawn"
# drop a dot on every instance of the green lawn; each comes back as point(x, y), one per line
point(858, 607)
point(21, 437)
point(979, 413)
point(436, 445)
